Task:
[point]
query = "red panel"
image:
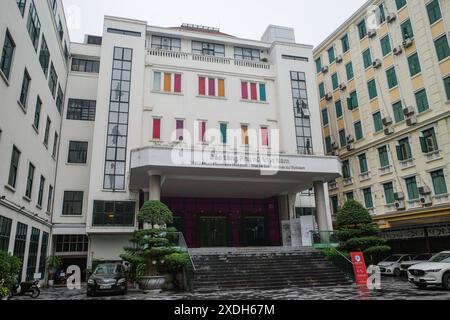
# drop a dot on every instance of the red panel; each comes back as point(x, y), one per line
point(212, 87)
point(244, 89)
point(156, 129)
point(254, 91)
point(201, 86)
point(177, 83)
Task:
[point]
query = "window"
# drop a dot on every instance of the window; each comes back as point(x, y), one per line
point(368, 200)
point(434, 12)
point(33, 25)
point(66, 53)
point(54, 6)
point(442, 48)
point(334, 204)
point(25, 89)
point(223, 133)
point(49, 199)
point(377, 121)
point(349, 195)
point(21, 4)
point(253, 91)
point(411, 186)
point(372, 87)
point(211, 87)
point(52, 80)
point(166, 82)
point(30, 178)
point(264, 136)
point(414, 64)
point(335, 81)
point(208, 49)
point(400, 4)
point(247, 54)
point(346, 172)
point(7, 55)
point(201, 129)
point(363, 166)
point(391, 78)
point(77, 152)
point(20, 242)
point(345, 43)
point(325, 120)
point(422, 100)
point(44, 56)
point(384, 157)
point(399, 116)
point(14, 167)
point(156, 134)
point(439, 184)
point(84, 65)
point(166, 43)
point(381, 17)
point(5, 233)
point(385, 43)
point(404, 150)
point(342, 138)
point(447, 87)
point(59, 99)
point(328, 146)
point(319, 65)
point(71, 243)
point(60, 29)
point(41, 191)
point(37, 113)
point(245, 136)
point(428, 141)
point(32, 253)
point(352, 101)
point(82, 110)
point(55, 145)
point(43, 255)
point(338, 107)
point(331, 55)
point(124, 32)
point(72, 203)
point(47, 131)
point(406, 29)
point(113, 214)
point(367, 58)
point(180, 130)
point(349, 71)
point(359, 134)
point(322, 90)
point(301, 112)
point(362, 29)
point(389, 196)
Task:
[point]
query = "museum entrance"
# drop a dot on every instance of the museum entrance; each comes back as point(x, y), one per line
point(254, 231)
point(214, 232)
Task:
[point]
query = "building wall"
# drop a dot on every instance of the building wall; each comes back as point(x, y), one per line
point(431, 78)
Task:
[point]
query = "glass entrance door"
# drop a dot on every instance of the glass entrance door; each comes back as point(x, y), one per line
point(255, 231)
point(214, 232)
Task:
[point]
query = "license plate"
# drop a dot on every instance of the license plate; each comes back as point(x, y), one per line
point(105, 287)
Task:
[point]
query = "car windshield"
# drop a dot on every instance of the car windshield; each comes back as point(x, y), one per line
point(422, 257)
point(392, 259)
point(105, 269)
point(441, 257)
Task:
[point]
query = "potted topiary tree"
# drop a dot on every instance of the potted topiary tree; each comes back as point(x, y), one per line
point(9, 270)
point(53, 263)
point(173, 266)
point(150, 245)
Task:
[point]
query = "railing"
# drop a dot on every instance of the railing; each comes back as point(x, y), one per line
point(324, 239)
point(180, 243)
point(207, 59)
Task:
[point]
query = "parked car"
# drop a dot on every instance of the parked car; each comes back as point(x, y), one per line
point(107, 278)
point(424, 257)
point(435, 272)
point(391, 265)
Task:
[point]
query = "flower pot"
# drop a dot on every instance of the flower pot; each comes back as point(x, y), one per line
point(152, 283)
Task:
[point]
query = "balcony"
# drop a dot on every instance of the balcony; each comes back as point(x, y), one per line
point(413, 204)
point(364, 176)
point(441, 199)
point(406, 164)
point(348, 182)
point(434, 155)
point(385, 170)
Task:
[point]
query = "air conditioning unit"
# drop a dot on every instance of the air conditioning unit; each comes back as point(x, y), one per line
point(371, 33)
point(328, 96)
point(400, 205)
point(325, 69)
point(389, 131)
point(387, 121)
point(350, 138)
point(342, 86)
point(408, 43)
point(426, 201)
point(377, 63)
point(391, 17)
point(411, 121)
point(397, 50)
point(339, 59)
point(424, 190)
point(408, 111)
point(399, 196)
point(350, 147)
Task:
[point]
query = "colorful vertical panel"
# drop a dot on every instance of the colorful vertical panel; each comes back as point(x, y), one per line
point(264, 137)
point(245, 139)
point(223, 132)
point(212, 87)
point(202, 131)
point(177, 83)
point(253, 91)
point(157, 81)
point(244, 90)
point(156, 129)
point(262, 92)
point(201, 86)
point(221, 85)
point(180, 129)
point(167, 82)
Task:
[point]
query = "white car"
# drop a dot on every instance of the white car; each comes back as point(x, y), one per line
point(392, 264)
point(435, 272)
point(420, 258)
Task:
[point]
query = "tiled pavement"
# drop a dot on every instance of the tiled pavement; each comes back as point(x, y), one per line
point(392, 289)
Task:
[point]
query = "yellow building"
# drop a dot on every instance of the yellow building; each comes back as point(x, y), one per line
point(384, 86)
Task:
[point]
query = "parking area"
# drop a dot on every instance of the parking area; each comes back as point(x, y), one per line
point(392, 289)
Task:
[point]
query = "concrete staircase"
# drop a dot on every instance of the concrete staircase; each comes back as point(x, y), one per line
point(272, 268)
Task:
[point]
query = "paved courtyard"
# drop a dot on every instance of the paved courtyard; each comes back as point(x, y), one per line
point(392, 289)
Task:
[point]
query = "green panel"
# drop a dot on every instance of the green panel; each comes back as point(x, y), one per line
point(442, 48)
point(322, 90)
point(386, 45)
point(335, 81)
point(423, 145)
point(414, 64)
point(411, 186)
point(439, 184)
point(384, 157)
point(342, 138)
point(377, 122)
point(345, 43)
point(325, 117)
point(331, 55)
point(391, 78)
point(398, 112)
point(407, 31)
point(349, 71)
point(389, 193)
point(362, 29)
point(318, 65)
point(434, 11)
point(447, 87)
point(372, 87)
point(363, 164)
point(368, 200)
point(422, 101)
point(367, 58)
point(338, 106)
point(400, 4)
point(359, 134)
point(223, 132)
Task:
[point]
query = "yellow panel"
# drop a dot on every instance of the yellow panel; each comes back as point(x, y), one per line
point(221, 87)
point(382, 30)
point(167, 82)
point(337, 95)
point(438, 29)
point(374, 105)
point(356, 115)
point(417, 82)
point(370, 73)
point(323, 103)
point(341, 124)
point(320, 77)
point(388, 61)
point(351, 86)
point(411, 49)
point(364, 44)
point(395, 94)
point(332, 68)
point(445, 67)
point(403, 14)
point(347, 57)
point(326, 131)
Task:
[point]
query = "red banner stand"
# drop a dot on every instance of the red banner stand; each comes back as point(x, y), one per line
point(359, 267)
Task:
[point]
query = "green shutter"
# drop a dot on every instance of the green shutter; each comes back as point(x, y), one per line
point(400, 4)
point(422, 101)
point(223, 132)
point(367, 58)
point(338, 106)
point(423, 144)
point(442, 48)
point(399, 153)
point(335, 81)
point(389, 193)
point(371, 85)
point(407, 31)
point(358, 131)
point(325, 116)
point(318, 65)
point(439, 184)
point(434, 12)
point(349, 71)
point(414, 64)
point(398, 112)
point(447, 87)
point(386, 45)
point(391, 78)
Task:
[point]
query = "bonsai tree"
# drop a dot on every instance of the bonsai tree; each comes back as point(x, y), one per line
point(174, 264)
point(357, 232)
point(9, 270)
point(53, 264)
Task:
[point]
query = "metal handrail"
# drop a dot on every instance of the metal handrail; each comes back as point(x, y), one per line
point(183, 244)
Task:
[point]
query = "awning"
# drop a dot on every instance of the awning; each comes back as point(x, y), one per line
point(69, 229)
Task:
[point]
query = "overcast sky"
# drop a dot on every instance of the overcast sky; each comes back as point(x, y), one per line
point(313, 20)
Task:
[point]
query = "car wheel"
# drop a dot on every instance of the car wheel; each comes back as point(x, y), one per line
point(397, 272)
point(446, 281)
point(421, 285)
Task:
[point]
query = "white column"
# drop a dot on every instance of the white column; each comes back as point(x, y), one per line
point(154, 187)
point(321, 207)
